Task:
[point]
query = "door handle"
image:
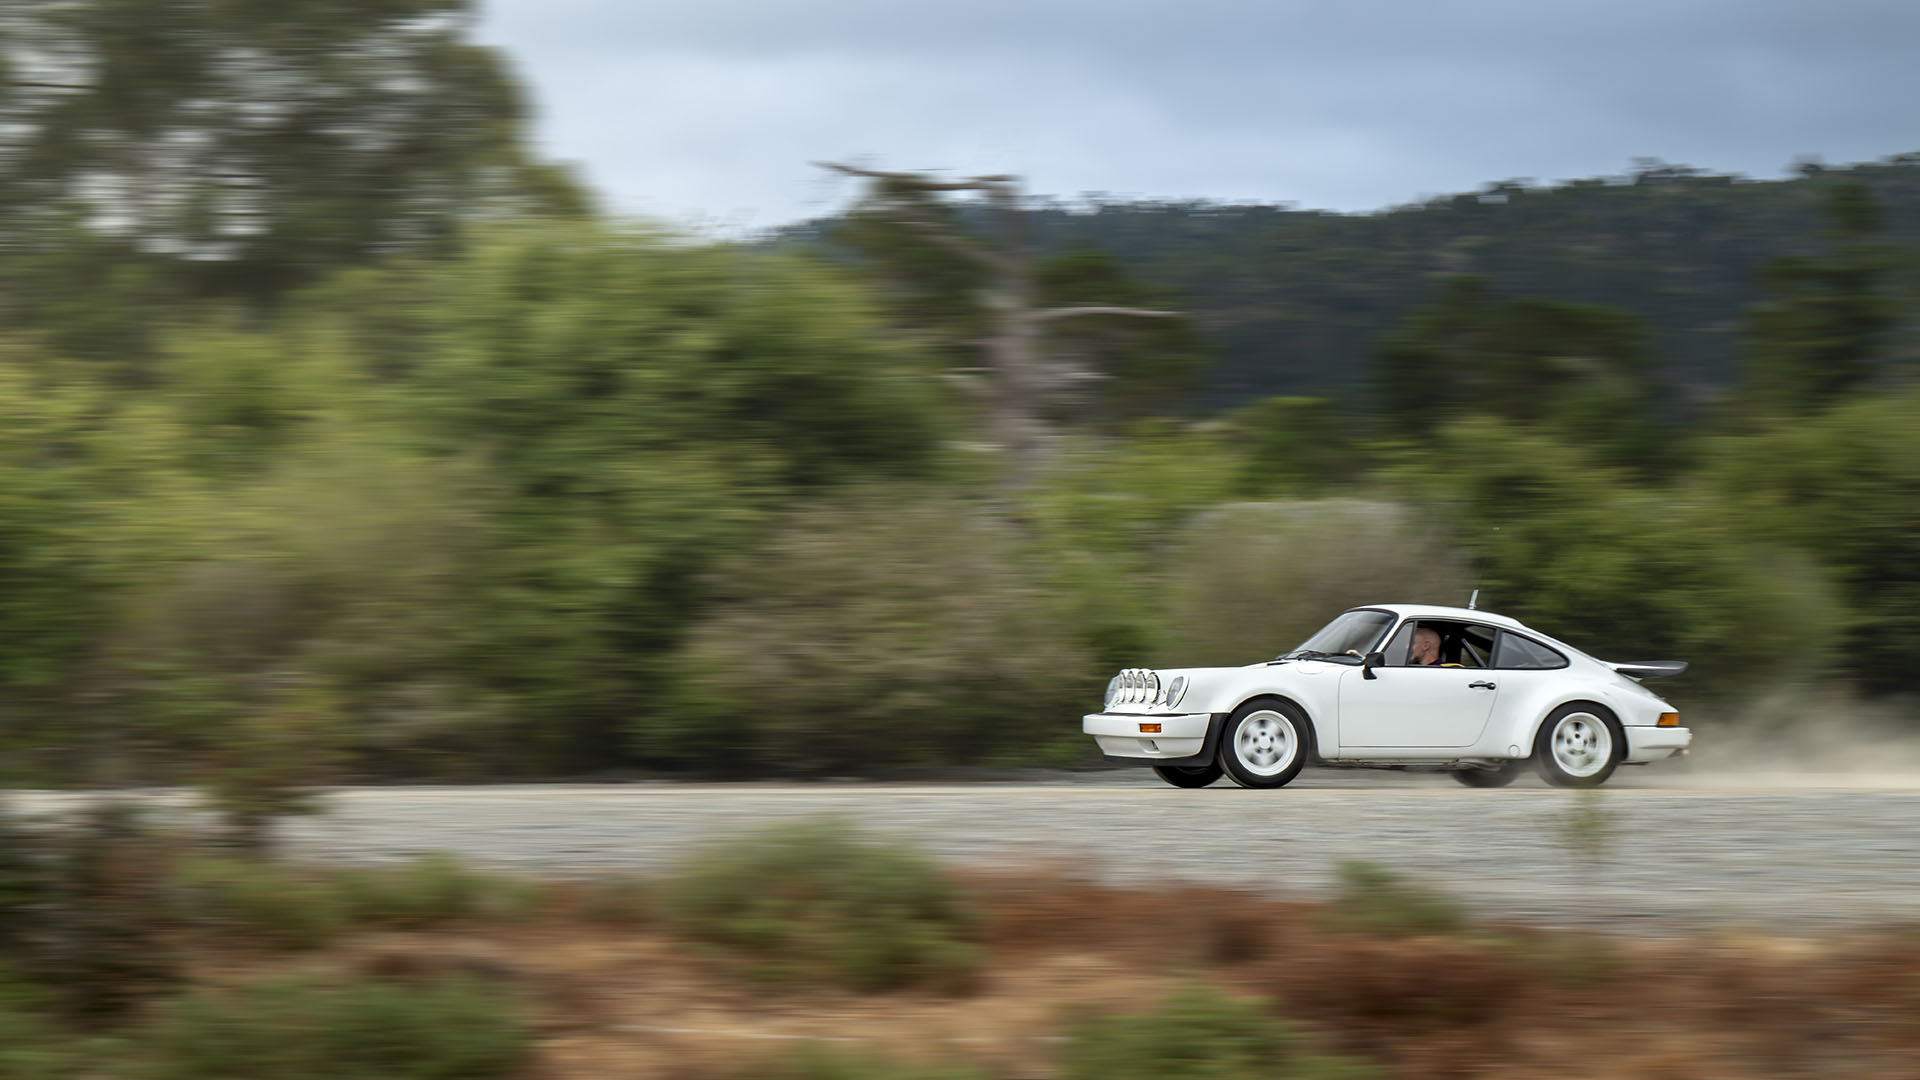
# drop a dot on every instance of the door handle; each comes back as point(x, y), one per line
point(1481, 685)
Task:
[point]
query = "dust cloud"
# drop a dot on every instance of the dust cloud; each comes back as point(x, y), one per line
point(1797, 739)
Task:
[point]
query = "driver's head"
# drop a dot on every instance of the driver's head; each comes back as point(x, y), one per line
point(1426, 647)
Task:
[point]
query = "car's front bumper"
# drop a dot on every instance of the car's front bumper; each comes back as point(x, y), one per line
point(1656, 743)
point(1129, 738)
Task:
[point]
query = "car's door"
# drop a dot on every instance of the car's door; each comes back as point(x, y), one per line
point(1420, 708)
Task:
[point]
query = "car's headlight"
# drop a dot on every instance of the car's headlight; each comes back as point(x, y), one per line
point(1152, 695)
point(1113, 691)
point(1175, 689)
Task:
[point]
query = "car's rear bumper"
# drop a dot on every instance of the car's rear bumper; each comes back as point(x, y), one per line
point(1129, 738)
point(1656, 743)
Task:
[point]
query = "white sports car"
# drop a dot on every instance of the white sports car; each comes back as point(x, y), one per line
point(1396, 686)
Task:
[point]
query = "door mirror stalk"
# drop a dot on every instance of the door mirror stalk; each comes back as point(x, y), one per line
point(1369, 662)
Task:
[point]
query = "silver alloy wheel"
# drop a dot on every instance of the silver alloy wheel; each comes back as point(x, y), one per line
point(1582, 744)
point(1264, 743)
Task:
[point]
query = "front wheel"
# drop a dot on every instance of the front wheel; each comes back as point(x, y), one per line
point(1578, 746)
point(1264, 744)
point(1188, 776)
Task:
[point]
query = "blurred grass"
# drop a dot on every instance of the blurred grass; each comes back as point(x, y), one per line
point(1198, 1034)
point(308, 907)
point(817, 902)
point(317, 1029)
point(1371, 899)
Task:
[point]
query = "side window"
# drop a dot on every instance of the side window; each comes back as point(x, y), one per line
point(1396, 650)
point(1476, 646)
point(1461, 644)
point(1524, 654)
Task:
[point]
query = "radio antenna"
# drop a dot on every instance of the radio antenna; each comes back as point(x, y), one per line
point(1473, 601)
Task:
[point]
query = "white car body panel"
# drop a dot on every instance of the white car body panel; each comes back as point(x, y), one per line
point(1431, 716)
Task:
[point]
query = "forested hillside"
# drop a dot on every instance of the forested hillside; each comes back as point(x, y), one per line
point(1296, 301)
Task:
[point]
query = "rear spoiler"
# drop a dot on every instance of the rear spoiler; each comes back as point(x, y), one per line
point(1650, 669)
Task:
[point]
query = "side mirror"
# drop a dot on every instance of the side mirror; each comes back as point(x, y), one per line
point(1369, 662)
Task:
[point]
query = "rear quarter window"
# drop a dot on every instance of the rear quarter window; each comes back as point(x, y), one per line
point(1524, 654)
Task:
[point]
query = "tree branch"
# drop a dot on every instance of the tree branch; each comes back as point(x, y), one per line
point(919, 182)
point(1050, 314)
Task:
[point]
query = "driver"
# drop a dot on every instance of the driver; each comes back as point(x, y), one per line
point(1425, 651)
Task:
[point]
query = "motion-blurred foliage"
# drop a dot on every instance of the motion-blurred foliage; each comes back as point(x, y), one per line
point(818, 902)
point(881, 628)
point(1199, 1034)
point(316, 1028)
point(1622, 569)
point(341, 439)
point(1324, 556)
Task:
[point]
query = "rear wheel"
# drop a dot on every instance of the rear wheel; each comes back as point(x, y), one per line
point(1491, 778)
point(1188, 776)
point(1264, 744)
point(1578, 746)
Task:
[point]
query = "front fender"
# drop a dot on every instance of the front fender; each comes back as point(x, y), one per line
point(1310, 684)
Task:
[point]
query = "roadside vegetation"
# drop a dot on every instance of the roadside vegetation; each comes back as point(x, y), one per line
point(813, 952)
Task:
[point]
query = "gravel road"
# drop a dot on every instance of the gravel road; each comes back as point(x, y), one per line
point(1792, 853)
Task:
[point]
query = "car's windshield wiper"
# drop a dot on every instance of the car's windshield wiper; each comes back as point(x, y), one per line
point(1304, 654)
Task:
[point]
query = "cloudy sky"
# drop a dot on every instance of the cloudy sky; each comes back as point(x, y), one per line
point(708, 111)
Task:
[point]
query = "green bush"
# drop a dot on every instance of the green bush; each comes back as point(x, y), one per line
point(1840, 488)
point(304, 1029)
point(1625, 571)
point(305, 907)
point(32, 1045)
point(280, 905)
point(430, 889)
point(1251, 580)
point(1374, 900)
point(816, 902)
point(1198, 1034)
point(877, 630)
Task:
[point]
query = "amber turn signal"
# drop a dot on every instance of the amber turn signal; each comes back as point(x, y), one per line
point(1669, 719)
point(1149, 729)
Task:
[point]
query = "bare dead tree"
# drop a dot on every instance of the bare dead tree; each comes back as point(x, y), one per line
point(1022, 377)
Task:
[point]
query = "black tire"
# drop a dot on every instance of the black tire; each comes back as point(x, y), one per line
point(1568, 744)
point(1491, 778)
point(1188, 776)
point(1265, 743)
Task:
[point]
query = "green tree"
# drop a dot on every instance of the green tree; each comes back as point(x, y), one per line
point(929, 288)
point(1624, 570)
point(1844, 488)
point(1054, 335)
point(642, 409)
point(243, 149)
point(1292, 445)
point(1578, 370)
point(1140, 367)
point(57, 584)
point(1824, 331)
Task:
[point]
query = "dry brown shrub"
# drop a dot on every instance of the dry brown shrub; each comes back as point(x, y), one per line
point(1185, 925)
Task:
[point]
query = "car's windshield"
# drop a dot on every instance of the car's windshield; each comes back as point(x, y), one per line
point(1350, 631)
